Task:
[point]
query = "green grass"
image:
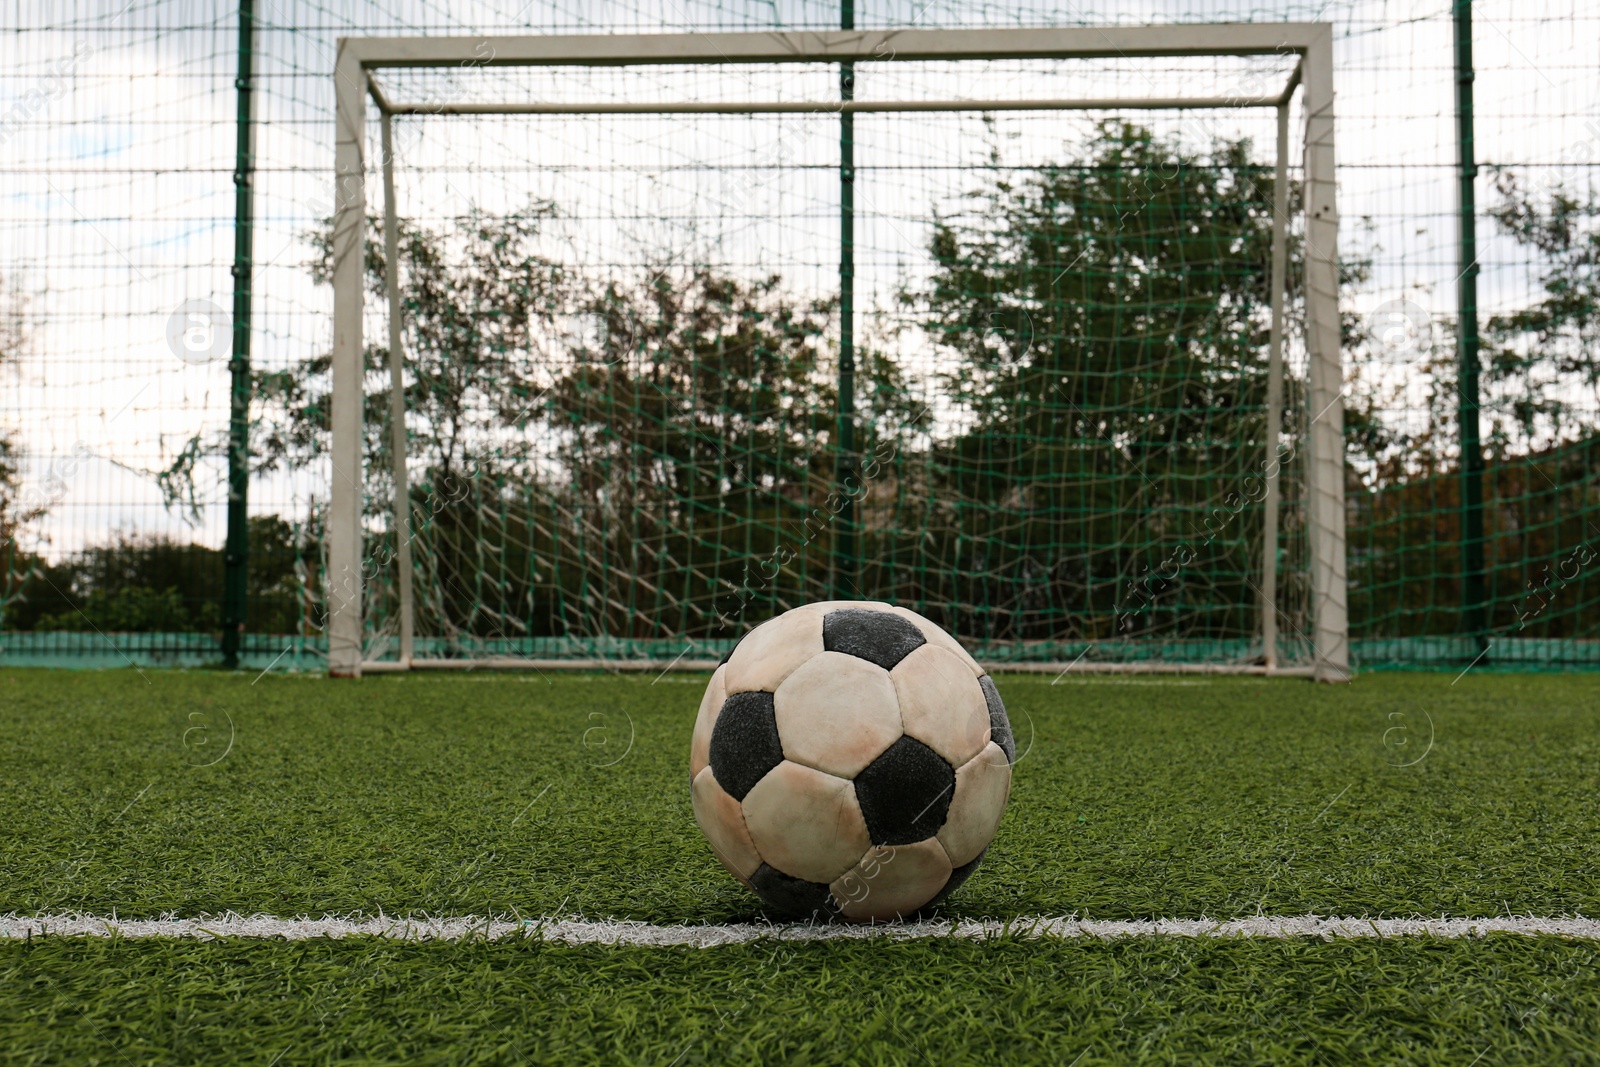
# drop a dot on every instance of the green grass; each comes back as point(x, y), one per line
point(1425, 1001)
point(483, 794)
point(492, 794)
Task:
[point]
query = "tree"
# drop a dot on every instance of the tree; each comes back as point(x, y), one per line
point(475, 297)
point(1545, 356)
point(1540, 363)
point(708, 419)
point(1073, 283)
point(13, 341)
point(1107, 320)
point(15, 510)
point(477, 304)
point(586, 448)
point(137, 584)
point(1542, 367)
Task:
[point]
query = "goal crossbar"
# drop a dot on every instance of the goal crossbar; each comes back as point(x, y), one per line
point(843, 107)
point(359, 57)
point(840, 46)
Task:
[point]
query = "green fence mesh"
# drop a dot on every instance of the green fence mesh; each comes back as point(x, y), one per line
point(622, 337)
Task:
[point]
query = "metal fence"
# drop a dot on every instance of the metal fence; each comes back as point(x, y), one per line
point(151, 163)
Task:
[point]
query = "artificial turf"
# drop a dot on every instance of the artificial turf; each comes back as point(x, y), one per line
point(500, 794)
point(1394, 795)
point(1505, 999)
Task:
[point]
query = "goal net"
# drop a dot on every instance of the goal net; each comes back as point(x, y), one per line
point(639, 341)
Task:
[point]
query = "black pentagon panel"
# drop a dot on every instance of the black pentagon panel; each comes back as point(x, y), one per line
point(745, 743)
point(905, 793)
point(792, 898)
point(999, 725)
point(875, 636)
point(957, 876)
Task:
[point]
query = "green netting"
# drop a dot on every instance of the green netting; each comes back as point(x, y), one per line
point(623, 370)
point(623, 341)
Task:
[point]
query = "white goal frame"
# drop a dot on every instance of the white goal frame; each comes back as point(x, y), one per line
point(1311, 42)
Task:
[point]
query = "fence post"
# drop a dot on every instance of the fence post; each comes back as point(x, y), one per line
point(236, 550)
point(1472, 568)
point(844, 557)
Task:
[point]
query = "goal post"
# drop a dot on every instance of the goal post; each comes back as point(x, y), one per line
point(357, 81)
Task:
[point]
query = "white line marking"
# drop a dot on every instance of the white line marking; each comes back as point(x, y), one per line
point(628, 932)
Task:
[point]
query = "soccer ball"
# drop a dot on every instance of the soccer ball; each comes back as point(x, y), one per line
point(850, 760)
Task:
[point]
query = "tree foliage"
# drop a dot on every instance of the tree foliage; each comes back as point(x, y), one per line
point(1107, 318)
point(143, 584)
point(1545, 356)
point(566, 422)
point(1063, 292)
point(475, 297)
point(13, 341)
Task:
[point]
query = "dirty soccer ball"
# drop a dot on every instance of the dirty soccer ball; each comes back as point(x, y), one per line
point(850, 760)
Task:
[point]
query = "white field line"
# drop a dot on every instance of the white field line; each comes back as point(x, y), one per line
point(602, 932)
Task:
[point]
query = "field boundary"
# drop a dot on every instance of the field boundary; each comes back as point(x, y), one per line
point(580, 931)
